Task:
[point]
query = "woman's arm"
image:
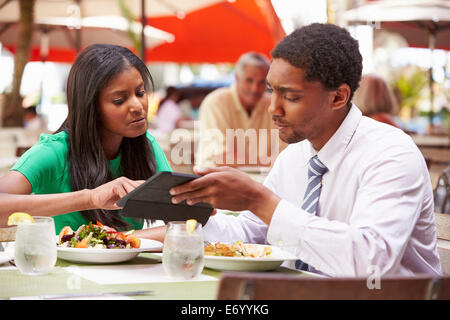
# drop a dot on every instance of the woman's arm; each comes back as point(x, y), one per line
point(15, 189)
point(43, 204)
point(155, 233)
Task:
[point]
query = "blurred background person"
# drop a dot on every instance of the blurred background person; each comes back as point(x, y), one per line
point(191, 104)
point(240, 106)
point(170, 116)
point(33, 121)
point(376, 100)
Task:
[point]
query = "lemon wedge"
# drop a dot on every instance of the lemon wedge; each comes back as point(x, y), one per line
point(190, 225)
point(19, 217)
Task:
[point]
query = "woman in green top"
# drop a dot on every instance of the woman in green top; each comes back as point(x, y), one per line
point(101, 152)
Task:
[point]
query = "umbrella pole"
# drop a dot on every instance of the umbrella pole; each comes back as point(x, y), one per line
point(78, 40)
point(44, 50)
point(78, 31)
point(431, 46)
point(144, 23)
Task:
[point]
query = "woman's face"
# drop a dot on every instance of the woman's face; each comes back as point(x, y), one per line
point(123, 107)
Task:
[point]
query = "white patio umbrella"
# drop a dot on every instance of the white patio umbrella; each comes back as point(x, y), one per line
point(61, 33)
point(77, 9)
point(416, 20)
point(9, 9)
point(432, 16)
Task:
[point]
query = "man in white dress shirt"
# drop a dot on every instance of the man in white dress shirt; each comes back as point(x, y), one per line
point(375, 209)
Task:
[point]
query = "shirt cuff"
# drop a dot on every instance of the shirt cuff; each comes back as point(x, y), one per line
point(287, 225)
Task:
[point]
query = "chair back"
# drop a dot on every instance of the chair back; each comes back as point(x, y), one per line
point(275, 286)
point(442, 221)
point(441, 192)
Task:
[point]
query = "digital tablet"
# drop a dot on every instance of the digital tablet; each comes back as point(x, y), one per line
point(151, 200)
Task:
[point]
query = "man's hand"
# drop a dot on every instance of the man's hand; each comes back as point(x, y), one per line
point(227, 188)
point(106, 195)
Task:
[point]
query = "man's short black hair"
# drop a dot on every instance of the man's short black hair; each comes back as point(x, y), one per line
point(326, 52)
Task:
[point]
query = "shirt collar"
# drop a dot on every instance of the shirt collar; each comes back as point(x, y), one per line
point(333, 151)
point(236, 99)
point(260, 106)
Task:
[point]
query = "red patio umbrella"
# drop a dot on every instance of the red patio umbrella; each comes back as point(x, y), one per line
point(219, 33)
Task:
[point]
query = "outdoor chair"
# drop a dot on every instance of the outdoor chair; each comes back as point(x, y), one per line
point(270, 286)
point(441, 193)
point(442, 221)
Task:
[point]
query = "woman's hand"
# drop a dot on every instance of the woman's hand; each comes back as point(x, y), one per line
point(227, 188)
point(106, 195)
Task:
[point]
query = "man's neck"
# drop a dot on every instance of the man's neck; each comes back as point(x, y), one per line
point(248, 108)
point(331, 130)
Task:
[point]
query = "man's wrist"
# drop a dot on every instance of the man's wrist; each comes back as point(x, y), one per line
point(264, 204)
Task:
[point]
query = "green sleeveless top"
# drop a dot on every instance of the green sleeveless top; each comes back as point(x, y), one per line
point(46, 168)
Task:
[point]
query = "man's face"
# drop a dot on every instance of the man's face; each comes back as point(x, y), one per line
point(300, 109)
point(250, 85)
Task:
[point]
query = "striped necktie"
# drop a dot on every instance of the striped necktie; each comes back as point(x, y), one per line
point(315, 172)
point(311, 198)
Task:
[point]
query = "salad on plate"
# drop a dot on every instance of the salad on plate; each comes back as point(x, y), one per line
point(97, 236)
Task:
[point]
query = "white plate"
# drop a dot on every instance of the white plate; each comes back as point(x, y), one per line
point(271, 262)
point(103, 256)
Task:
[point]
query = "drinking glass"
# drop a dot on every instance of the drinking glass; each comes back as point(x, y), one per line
point(35, 247)
point(183, 252)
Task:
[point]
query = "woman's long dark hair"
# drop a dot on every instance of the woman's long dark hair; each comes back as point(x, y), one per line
point(92, 71)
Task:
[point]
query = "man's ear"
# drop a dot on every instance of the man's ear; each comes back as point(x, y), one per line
point(340, 96)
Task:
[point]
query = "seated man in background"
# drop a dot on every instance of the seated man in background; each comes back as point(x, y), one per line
point(235, 127)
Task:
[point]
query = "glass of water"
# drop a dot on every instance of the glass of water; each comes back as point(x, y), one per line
point(183, 251)
point(35, 247)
